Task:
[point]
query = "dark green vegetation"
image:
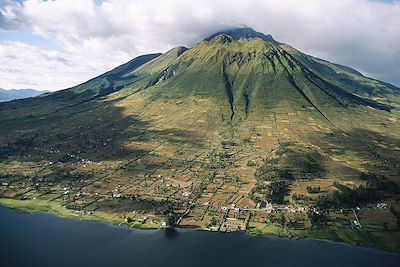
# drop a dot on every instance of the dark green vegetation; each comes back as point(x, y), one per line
point(290, 162)
point(209, 137)
point(376, 189)
point(167, 212)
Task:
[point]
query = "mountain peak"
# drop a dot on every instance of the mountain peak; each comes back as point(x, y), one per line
point(221, 39)
point(242, 33)
point(177, 50)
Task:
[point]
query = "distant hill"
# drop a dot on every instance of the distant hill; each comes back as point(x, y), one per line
point(13, 94)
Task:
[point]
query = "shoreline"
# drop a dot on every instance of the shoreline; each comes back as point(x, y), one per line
point(35, 206)
point(329, 233)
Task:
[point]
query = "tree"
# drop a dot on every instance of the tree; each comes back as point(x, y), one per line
point(128, 219)
point(167, 212)
point(282, 219)
point(313, 190)
point(395, 213)
point(170, 219)
point(385, 225)
point(317, 217)
point(278, 191)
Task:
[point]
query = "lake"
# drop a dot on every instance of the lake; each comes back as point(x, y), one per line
point(31, 240)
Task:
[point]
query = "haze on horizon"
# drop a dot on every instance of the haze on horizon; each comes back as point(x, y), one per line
point(52, 45)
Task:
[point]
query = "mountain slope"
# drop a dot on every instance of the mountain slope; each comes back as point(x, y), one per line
point(132, 72)
point(347, 78)
point(254, 75)
point(208, 136)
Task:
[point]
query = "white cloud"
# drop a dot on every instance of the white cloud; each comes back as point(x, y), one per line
point(26, 66)
point(10, 15)
point(360, 33)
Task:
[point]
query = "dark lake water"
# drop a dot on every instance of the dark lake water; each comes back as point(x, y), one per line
point(45, 240)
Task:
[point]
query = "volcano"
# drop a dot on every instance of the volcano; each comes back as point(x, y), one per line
point(195, 135)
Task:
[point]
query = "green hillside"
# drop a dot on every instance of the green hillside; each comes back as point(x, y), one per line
point(253, 75)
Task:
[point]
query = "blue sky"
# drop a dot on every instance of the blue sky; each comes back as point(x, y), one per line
point(29, 38)
point(57, 44)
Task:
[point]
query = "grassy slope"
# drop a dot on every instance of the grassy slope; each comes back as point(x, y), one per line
point(248, 77)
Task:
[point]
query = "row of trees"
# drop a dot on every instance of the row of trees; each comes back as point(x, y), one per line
point(347, 197)
point(313, 190)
